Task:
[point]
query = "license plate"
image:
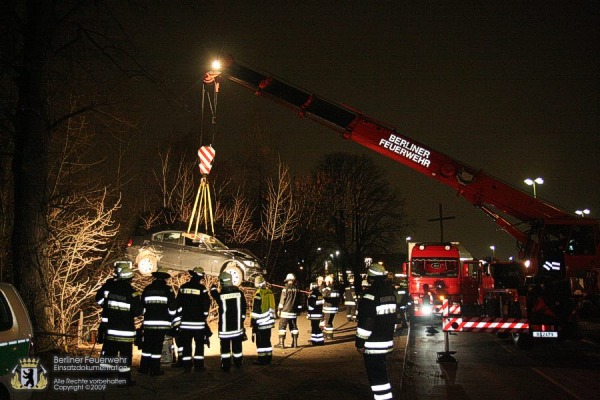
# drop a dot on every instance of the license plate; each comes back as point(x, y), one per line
point(545, 334)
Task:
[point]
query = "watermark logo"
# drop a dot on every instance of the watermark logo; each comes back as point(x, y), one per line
point(29, 374)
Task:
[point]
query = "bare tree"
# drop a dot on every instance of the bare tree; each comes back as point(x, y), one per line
point(81, 228)
point(280, 215)
point(237, 220)
point(44, 47)
point(364, 215)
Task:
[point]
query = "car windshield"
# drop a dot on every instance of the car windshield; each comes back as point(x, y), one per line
point(215, 243)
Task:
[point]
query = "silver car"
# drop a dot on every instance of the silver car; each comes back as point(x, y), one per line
point(182, 251)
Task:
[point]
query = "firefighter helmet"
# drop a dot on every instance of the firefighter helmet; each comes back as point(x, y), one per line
point(225, 279)
point(126, 272)
point(290, 277)
point(329, 279)
point(161, 273)
point(259, 281)
point(376, 270)
point(118, 266)
point(198, 271)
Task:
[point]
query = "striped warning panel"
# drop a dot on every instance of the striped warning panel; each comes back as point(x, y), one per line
point(450, 309)
point(206, 154)
point(485, 324)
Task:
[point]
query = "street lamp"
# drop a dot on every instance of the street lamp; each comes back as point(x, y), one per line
point(583, 213)
point(533, 182)
point(493, 248)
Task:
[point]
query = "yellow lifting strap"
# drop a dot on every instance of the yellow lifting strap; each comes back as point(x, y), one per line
point(202, 209)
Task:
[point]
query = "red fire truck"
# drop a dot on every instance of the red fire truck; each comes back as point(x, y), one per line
point(444, 271)
point(560, 250)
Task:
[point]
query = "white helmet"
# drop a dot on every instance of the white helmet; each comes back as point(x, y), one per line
point(290, 277)
point(329, 279)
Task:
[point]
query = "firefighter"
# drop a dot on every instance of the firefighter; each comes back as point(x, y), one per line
point(331, 304)
point(190, 324)
point(101, 298)
point(122, 306)
point(158, 301)
point(232, 314)
point(375, 330)
point(350, 299)
point(315, 314)
point(321, 286)
point(289, 307)
point(263, 320)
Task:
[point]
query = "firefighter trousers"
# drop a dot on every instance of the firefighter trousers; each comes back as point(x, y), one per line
point(121, 349)
point(284, 323)
point(316, 334)
point(231, 348)
point(328, 329)
point(152, 350)
point(185, 340)
point(376, 367)
point(264, 349)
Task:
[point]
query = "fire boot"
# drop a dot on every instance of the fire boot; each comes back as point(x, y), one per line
point(281, 344)
point(145, 363)
point(199, 365)
point(294, 341)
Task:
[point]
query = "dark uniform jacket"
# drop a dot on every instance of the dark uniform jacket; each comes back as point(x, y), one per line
point(331, 298)
point(158, 301)
point(350, 295)
point(101, 296)
point(289, 302)
point(193, 304)
point(376, 318)
point(315, 304)
point(232, 311)
point(122, 306)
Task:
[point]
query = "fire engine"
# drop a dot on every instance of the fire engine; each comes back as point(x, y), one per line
point(444, 271)
point(560, 250)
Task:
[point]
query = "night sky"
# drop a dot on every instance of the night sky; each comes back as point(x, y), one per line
point(510, 87)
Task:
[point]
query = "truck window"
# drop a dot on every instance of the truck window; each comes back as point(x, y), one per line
point(581, 241)
point(435, 268)
point(6, 320)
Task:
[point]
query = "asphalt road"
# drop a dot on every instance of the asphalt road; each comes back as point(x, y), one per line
point(332, 371)
point(489, 367)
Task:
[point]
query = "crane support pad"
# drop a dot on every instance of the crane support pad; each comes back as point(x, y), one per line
point(485, 324)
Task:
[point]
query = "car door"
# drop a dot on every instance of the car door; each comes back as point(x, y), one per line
point(167, 244)
point(194, 254)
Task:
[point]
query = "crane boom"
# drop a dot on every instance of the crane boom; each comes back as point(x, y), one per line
point(556, 242)
point(473, 184)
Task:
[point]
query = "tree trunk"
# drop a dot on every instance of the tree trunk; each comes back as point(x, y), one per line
point(30, 162)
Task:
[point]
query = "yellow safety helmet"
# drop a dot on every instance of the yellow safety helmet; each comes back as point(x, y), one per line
point(259, 281)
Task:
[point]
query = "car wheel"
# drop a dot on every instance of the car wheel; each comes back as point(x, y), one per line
point(146, 262)
point(237, 276)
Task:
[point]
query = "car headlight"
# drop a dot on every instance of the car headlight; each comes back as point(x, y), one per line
point(426, 309)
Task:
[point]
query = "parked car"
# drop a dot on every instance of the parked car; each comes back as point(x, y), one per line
point(182, 251)
point(16, 333)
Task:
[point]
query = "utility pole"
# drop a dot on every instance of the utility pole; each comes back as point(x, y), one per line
point(441, 219)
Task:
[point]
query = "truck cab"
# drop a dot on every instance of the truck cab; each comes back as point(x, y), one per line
point(16, 333)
